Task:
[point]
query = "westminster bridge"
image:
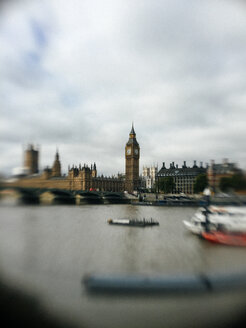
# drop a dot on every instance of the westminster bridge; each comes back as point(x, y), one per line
point(62, 196)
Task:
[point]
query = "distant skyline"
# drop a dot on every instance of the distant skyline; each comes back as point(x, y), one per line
point(75, 74)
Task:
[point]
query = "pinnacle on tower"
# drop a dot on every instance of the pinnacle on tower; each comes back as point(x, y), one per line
point(57, 154)
point(132, 133)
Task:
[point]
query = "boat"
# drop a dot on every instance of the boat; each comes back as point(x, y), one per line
point(225, 238)
point(225, 226)
point(219, 225)
point(232, 211)
point(197, 227)
point(133, 222)
point(218, 219)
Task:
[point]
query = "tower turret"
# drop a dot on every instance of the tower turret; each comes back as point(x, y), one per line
point(56, 168)
point(94, 171)
point(31, 159)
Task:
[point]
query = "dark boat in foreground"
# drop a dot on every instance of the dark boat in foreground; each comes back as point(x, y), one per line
point(133, 222)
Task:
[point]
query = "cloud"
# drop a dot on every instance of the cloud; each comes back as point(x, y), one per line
point(76, 74)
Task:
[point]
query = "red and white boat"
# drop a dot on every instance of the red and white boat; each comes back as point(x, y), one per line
point(225, 238)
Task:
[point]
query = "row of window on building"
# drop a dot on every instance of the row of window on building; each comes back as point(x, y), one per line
point(185, 176)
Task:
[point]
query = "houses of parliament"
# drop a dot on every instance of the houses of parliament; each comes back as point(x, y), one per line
point(82, 177)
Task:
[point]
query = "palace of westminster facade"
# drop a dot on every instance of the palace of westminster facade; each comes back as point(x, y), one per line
point(82, 177)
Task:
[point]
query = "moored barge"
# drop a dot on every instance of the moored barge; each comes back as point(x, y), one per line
point(133, 222)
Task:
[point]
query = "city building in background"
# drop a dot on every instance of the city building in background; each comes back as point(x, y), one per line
point(148, 177)
point(85, 177)
point(218, 171)
point(183, 178)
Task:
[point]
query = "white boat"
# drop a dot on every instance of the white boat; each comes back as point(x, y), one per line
point(197, 227)
point(228, 219)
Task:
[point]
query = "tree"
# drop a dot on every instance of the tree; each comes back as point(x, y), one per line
point(235, 182)
point(200, 183)
point(166, 184)
point(225, 184)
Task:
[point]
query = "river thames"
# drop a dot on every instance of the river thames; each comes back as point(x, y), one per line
point(47, 250)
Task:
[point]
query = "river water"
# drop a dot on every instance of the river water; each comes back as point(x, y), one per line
point(47, 250)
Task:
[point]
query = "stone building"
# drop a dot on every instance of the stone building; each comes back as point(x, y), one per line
point(31, 160)
point(56, 168)
point(223, 170)
point(84, 177)
point(78, 178)
point(148, 176)
point(183, 177)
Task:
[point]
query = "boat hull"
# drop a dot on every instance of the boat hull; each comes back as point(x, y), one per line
point(231, 239)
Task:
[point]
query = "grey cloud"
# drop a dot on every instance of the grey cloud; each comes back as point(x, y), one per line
point(78, 80)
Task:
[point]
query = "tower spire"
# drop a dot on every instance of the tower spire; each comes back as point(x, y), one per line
point(56, 169)
point(132, 133)
point(57, 154)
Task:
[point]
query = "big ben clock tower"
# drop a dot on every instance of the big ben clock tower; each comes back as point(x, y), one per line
point(132, 153)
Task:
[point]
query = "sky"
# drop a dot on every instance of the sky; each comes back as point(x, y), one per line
point(75, 75)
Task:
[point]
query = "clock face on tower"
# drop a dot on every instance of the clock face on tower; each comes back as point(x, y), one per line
point(136, 151)
point(128, 151)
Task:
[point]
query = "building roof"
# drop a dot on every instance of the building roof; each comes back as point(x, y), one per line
point(132, 138)
point(225, 168)
point(181, 171)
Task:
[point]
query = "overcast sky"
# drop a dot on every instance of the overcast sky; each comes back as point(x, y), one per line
point(76, 74)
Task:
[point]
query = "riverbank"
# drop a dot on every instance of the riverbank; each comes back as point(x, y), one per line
point(152, 199)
